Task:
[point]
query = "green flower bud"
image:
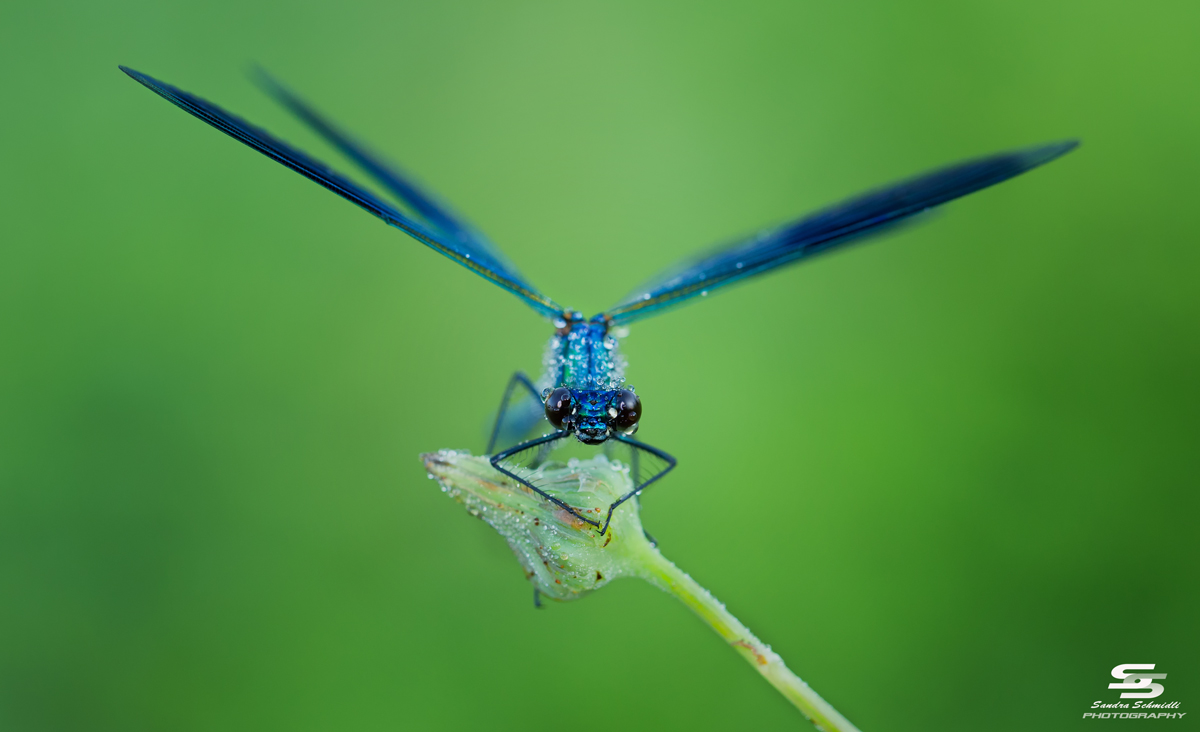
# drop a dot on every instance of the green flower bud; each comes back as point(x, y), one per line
point(566, 558)
point(563, 557)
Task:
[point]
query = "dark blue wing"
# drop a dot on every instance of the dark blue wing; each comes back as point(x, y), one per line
point(435, 212)
point(869, 214)
point(465, 253)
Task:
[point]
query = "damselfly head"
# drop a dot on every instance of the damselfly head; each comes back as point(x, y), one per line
point(594, 415)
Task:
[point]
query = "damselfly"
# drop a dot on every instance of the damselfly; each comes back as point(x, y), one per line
point(583, 392)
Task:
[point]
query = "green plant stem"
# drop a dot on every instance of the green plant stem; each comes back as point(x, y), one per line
point(662, 573)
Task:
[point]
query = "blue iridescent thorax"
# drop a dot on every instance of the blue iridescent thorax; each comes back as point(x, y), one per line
point(583, 358)
point(584, 355)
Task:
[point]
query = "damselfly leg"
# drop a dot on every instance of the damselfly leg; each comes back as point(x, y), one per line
point(646, 465)
point(635, 472)
point(517, 378)
point(534, 448)
point(651, 464)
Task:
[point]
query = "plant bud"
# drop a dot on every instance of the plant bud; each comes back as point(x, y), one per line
point(563, 557)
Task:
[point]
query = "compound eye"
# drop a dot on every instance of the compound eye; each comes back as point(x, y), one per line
point(628, 408)
point(558, 406)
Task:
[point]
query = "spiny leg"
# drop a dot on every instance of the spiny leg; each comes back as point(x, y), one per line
point(543, 454)
point(518, 377)
point(636, 445)
point(635, 470)
point(536, 442)
point(635, 463)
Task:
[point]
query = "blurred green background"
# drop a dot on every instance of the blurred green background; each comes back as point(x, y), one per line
point(950, 476)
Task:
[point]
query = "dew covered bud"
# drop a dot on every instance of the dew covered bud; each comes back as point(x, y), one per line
point(563, 557)
point(566, 558)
